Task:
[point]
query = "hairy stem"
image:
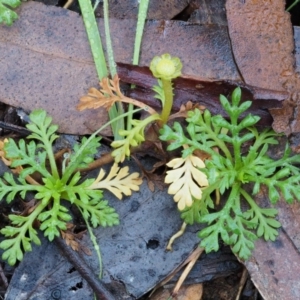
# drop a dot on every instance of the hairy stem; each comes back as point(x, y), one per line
point(168, 91)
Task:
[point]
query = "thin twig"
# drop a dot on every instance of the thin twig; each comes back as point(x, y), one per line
point(84, 270)
point(14, 128)
point(3, 277)
point(242, 283)
point(193, 258)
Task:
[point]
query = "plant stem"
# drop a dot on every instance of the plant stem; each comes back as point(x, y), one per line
point(116, 109)
point(94, 37)
point(292, 5)
point(142, 15)
point(109, 49)
point(168, 90)
point(69, 170)
point(51, 157)
point(96, 246)
point(84, 270)
point(98, 53)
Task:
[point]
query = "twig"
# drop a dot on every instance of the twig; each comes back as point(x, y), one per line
point(84, 270)
point(3, 277)
point(242, 283)
point(196, 253)
point(15, 128)
point(193, 258)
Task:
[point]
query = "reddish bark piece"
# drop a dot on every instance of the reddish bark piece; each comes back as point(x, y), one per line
point(46, 60)
point(157, 10)
point(208, 12)
point(262, 42)
point(203, 91)
point(274, 265)
point(274, 268)
point(47, 63)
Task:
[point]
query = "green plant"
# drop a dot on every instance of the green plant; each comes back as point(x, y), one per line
point(98, 54)
point(99, 58)
point(142, 15)
point(165, 68)
point(7, 15)
point(235, 171)
point(37, 157)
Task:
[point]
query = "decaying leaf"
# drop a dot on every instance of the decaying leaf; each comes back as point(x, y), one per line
point(186, 180)
point(73, 239)
point(106, 97)
point(118, 181)
point(185, 108)
point(153, 178)
point(6, 161)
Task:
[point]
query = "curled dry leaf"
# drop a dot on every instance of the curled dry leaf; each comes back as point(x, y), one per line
point(73, 239)
point(186, 180)
point(185, 108)
point(6, 161)
point(106, 97)
point(118, 181)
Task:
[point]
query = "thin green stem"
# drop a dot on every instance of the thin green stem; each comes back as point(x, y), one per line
point(219, 143)
point(233, 198)
point(168, 91)
point(69, 168)
point(109, 48)
point(98, 53)
point(96, 246)
point(50, 154)
point(116, 109)
point(236, 144)
point(251, 202)
point(94, 37)
point(142, 15)
point(292, 5)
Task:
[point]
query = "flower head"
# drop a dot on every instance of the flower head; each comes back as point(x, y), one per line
point(166, 67)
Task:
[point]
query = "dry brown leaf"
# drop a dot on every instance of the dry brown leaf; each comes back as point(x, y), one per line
point(6, 161)
point(73, 239)
point(106, 97)
point(185, 108)
point(153, 179)
point(189, 292)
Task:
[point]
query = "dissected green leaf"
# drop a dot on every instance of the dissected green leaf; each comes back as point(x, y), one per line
point(38, 157)
point(132, 138)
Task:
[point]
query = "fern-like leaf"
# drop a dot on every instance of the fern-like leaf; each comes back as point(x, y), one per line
point(109, 94)
point(186, 180)
point(98, 212)
point(118, 181)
